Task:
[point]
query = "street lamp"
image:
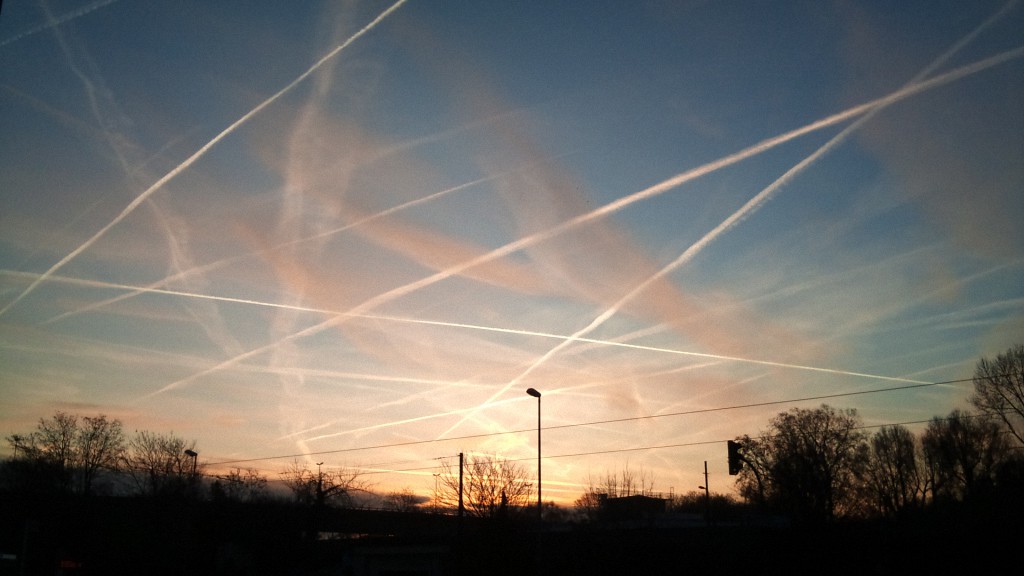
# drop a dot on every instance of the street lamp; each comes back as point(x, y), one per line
point(540, 505)
point(193, 454)
point(707, 495)
point(436, 476)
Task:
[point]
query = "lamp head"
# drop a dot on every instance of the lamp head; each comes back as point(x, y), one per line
point(533, 392)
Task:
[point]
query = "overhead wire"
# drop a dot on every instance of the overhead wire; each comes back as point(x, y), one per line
point(370, 469)
point(596, 422)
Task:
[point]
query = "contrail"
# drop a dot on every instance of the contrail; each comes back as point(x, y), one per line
point(755, 203)
point(199, 154)
point(110, 122)
point(745, 211)
point(708, 168)
point(391, 424)
point(610, 208)
point(439, 323)
point(605, 210)
point(153, 287)
point(54, 22)
point(325, 234)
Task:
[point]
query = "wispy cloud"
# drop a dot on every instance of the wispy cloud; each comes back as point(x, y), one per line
point(935, 174)
point(747, 210)
point(159, 184)
point(336, 315)
point(390, 295)
point(53, 22)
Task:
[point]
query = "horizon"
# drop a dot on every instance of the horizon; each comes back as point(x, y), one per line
point(358, 234)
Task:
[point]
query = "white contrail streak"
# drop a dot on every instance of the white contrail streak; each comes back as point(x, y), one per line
point(199, 154)
point(745, 211)
point(700, 171)
point(54, 22)
point(319, 236)
point(755, 203)
point(403, 320)
point(231, 260)
point(610, 208)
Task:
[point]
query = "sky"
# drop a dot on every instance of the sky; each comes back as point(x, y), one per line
point(356, 232)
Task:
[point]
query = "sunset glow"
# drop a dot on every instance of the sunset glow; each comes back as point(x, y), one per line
point(357, 232)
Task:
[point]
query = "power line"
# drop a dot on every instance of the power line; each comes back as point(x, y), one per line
point(598, 422)
point(367, 470)
point(706, 442)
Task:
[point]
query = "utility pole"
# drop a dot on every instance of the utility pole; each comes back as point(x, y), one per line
point(461, 528)
point(707, 495)
point(434, 499)
point(319, 484)
point(462, 508)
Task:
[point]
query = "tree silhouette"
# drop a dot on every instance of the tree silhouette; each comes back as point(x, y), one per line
point(999, 389)
point(158, 465)
point(627, 483)
point(238, 486)
point(895, 478)
point(99, 446)
point(323, 487)
point(68, 453)
point(964, 454)
point(492, 487)
point(404, 500)
point(807, 464)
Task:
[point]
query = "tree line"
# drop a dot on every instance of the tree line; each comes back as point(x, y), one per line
point(93, 455)
point(817, 465)
point(813, 465)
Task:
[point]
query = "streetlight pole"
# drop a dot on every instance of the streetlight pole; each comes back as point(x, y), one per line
point(436, 476)
point(319, 482)
point(193, 454)
point(707, 495)
point(540, 502)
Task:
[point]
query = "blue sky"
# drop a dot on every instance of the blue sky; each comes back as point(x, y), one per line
point(357, 232)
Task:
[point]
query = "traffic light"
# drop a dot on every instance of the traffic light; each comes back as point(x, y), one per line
point(735, 459)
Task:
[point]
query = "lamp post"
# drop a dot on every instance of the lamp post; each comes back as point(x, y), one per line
point(193, 454)
point(319, 482)
point(540, 504)
point(707, 495)
point(434, 499)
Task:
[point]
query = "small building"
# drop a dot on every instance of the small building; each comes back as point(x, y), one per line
point(635, 508)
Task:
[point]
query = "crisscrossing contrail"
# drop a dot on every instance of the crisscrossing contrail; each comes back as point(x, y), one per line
point(197, 155)
point(745, 211)
point(613, 207)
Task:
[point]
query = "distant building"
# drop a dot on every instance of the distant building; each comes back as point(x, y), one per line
point(631, 509)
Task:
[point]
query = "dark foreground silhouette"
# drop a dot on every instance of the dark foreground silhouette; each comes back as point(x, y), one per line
point(119, 535)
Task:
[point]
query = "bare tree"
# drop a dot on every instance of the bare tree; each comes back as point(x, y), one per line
point(628, 482)
point(404, 500)
point(323, 487)
point(895, 478)
point(999, 389)
point(247, 486)
point(588, 505)
point(69, 453)
point(159, 466)
point(807, 464)
point(53, 442)
point(492, 487)
point(99, 446)
point(964, 454)
point(720, 506)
